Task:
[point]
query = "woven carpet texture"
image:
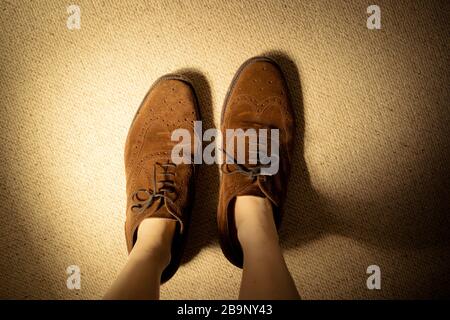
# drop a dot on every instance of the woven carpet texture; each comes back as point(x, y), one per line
point(370, 181)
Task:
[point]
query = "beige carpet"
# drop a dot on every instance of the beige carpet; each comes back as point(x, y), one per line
point(370, 182)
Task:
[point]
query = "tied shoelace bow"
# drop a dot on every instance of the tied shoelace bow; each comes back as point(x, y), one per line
point(168, 186)
point(252, 172)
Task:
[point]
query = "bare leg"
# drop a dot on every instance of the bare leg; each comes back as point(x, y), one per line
point(265, 274)
point(140, 278)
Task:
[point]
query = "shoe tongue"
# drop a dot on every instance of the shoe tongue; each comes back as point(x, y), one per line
point(162, 212)
point(252, 190)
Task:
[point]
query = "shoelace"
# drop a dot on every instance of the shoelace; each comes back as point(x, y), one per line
point(168, 186)
point(252, 172)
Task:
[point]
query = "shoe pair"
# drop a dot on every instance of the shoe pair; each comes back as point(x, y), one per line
point(258, 98)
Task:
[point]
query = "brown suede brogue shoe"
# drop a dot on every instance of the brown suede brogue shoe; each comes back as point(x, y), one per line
point(257, 99)
point(157, 187)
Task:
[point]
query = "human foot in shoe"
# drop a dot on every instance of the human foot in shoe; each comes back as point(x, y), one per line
point(257, 99)
point(157, 187)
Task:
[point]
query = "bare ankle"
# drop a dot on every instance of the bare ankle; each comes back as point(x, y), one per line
point(254, 220)
point(252, 209)
point(154, 240)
